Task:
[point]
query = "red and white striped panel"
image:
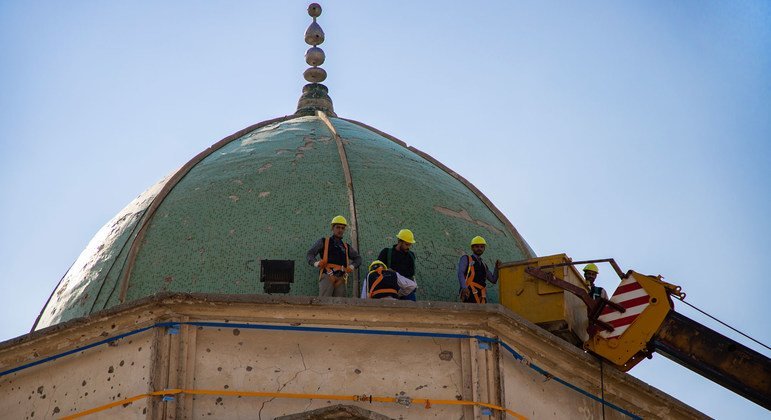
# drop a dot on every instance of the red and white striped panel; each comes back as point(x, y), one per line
point(633, 298)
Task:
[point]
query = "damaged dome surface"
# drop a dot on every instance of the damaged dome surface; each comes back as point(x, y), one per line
point(267, 193)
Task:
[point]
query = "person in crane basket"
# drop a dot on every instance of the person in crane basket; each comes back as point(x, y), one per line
point(473, 273)
point(338, 259)
point(590, 274)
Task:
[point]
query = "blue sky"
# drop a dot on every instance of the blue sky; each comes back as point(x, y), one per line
point(634, 130)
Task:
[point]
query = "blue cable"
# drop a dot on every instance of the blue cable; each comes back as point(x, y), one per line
point(480, 338)
point(67, 353)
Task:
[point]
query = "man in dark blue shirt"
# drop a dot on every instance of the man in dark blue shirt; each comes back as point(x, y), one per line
point(473, 273)
point(400, 259)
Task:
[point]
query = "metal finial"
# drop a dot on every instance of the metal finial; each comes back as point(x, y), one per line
point(315, 95)
point(314, 36)
point(314, 10)
point(314, 56)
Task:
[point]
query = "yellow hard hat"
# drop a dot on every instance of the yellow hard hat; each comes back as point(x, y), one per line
point(478, 240)
point(406, 235)
point(592, 267)
point(339, 220)
point(376, 262)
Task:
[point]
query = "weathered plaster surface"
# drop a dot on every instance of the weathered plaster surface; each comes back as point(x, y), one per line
point(87, 379)
point(231, 357)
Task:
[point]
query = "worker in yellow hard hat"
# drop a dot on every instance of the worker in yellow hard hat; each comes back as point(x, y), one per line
point(590, 274)
point(400, 259)
point(337, 259)
point(473, 273)
point(384, 283)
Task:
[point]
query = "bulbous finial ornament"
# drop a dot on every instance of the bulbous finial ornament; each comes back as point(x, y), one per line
point(314, 35)
point(314, 56)
point(315, 96)
point(315, 74)
point(314, 10)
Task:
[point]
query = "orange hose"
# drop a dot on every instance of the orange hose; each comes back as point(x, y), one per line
point(370, 398)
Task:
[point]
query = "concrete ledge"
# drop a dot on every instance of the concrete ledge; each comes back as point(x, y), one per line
point(537, 346)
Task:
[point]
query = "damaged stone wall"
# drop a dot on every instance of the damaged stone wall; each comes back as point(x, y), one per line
point(81, 381)
point(320, 363)
point(225, 351)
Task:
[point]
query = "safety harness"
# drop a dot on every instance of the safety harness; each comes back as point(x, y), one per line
point(329, 269)
point(374, 291)
point(477, 290)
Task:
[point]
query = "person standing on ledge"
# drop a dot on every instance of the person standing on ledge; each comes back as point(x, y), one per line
point(473, 273)
point(338, 259)
point(400, 259)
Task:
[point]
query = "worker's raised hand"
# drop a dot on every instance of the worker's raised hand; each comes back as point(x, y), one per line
point(350, 268)
point(497, 264)
point(316, 264)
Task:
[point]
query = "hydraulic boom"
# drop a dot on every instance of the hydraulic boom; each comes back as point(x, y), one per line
point(637, 320)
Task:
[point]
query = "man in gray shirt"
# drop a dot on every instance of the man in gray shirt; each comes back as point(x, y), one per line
point(337, 260)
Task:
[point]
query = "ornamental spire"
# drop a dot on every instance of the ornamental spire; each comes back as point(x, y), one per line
point(315, 96)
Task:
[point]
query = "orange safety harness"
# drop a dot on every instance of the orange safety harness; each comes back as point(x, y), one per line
point(477, 290)
point(373, 286)
point(329, 268)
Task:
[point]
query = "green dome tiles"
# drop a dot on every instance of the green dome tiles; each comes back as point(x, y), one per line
point(396, 188)
point(269, 192)
point(266, 195)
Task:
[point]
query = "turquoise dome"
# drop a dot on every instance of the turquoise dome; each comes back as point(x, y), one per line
point(267, 193)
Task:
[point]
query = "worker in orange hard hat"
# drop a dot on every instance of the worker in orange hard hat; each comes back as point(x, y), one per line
point(338, 259)
point(473, 273)
point(590, 274)
point(400, 259)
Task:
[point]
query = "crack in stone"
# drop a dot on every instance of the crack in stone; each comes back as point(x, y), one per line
point(302, 358)
point(310, 402)
point(259, 413)
point(281, 387)
point(457, 363)
point(455, 384)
